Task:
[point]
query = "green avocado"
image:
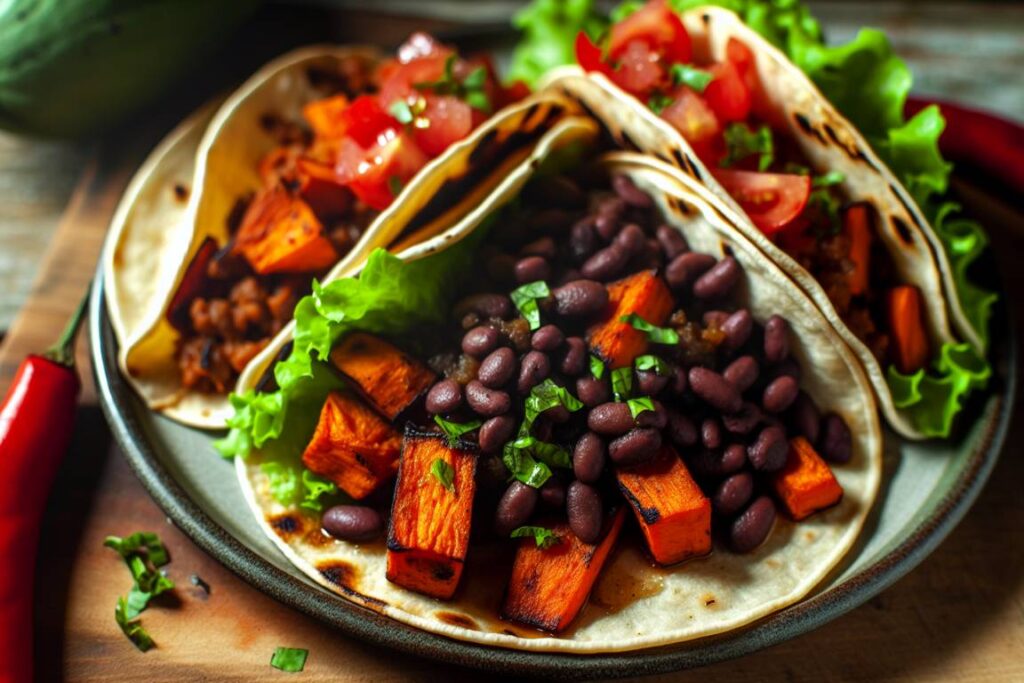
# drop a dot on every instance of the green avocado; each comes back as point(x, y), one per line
point(73, 67)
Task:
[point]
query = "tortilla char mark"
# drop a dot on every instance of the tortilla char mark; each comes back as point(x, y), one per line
point(345, 577)
point(456, 619)
point(287, 525)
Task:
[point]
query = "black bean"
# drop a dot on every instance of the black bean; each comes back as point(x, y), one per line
point(583, 240)
point(744, 421)
point(592, 391)
point(606, 264)
point(734, 457)
point(444, 397)
point(630, 193)
point(487, 402)
point(580, 298)
point(709, 463)
point(836, 442)
point(480, 341)
point(733, 493)
point(657, 418)
point(715, 390)
point(547, 338)
point(679, 381)
point(779, 394)
point(776, 339)
point(544, 247)
point(672, 241)
point(769, 451)
point(631, 239)
point(805, 417)
point(588, 458)
point(714, 318)
point(737, 328)
point(574, 358)
point(687, 267)
point(583, 505)
point(609, 215)
point(681, 429)
point(514, 508)
point(552, 494)
point(532, 269)
point(611, 419)
point(486, 306)
point(787, 368)
point(711, 433)
point(742, 373)
point(497, 368)
point(650, 383)
point(352, 522)
point(567, 276)
point(495, 432)
point(635, 447)
point(534, 368)
point(751, 528)
point(719, 280)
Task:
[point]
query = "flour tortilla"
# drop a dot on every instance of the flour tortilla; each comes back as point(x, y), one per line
point(697, 599)
point(156, 238)
point(790, 102)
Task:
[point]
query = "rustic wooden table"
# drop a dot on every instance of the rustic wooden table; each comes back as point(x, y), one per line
point(959, 616)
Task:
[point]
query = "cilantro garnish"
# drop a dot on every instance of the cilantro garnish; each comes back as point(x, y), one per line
point(525, 298)
point(622, 383)
point(132, 628)
point(640, 405)
point(649, 362)
point(444, 473)
point(144, 553)
point(830, 178)
point(470, 89)
point(693, 78)
point(524, 466)
point(741, 142)
point(596, 367)
point(545, 538)
point(658, 101)
point(544, 396)
point(453, 430)
point(402, 112)
point(658, 335)
point(395, 185)
point(290, 659)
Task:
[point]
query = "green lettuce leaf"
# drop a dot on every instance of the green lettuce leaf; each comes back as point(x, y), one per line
point(549, 29)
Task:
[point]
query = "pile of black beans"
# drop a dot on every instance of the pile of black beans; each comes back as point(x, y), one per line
point(728, 397)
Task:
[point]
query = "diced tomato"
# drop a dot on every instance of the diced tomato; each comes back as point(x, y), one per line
point(658, 27)
point(420, 45)
point(773, 201)
point(371, 172)
point(691, 116)
point(640, 71)
point(740, 55)
point(400, 82)
point(365, 120)
point(588, 55)
point(727, 94)
point(445, 120)
point(514, 92)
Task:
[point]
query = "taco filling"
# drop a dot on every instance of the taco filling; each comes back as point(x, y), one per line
point(596, 369)
point(713, 104)
point(329, 177)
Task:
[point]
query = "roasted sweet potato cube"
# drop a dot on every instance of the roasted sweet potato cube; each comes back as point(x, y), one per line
point(353, 446)
point(428, 535)
point(673, 513)
point(549, 586)
point(618, 343)
point(806, 484)
point(390, 379)
point(324, 116)
point(281, 234)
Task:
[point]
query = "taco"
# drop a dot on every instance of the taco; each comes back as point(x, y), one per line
point(322, 156)
point(526, 432)
point(704, 92)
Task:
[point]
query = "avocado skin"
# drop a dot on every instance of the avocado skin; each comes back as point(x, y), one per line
point(71, 68)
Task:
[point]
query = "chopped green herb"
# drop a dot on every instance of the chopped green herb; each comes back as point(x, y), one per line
point(544, 538)
point(132, 628)
point(741, 142)
point(640, 405)
point(444, 473)
point(290, 659)
point(651, 362)
point(524, 466)
point(693, 78)
point(144, 553)
point(658, 101)
point(140, 540)
point(525, 298)
point(476, 79)
point(316, 487)
point(550, 454)
point(454, 430)
point(596, 367)
point(830, 178)
point(395, 185)
point(622, 383)
point(658, 335)
point(402, 112)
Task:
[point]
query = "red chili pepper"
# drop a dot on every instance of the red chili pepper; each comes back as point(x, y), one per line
point(36, 420)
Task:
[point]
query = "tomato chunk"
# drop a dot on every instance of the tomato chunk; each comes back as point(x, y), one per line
point(374, 173)
point(640, 72)
point(690, 115)
point(727, 94)
point(658, 27)
point(588, 55)
point(364, 120)
point(773, 201)
point(444, 121)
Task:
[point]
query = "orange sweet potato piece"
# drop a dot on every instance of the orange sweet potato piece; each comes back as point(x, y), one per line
point(390, 379)
point(806, 484)
point(549, 586)
point(906, 327)
point(857, 227)
point(616, 342)
point(324, 116)
point(428, 535)
point(352, 446)
point(280, 234)
point(674, 515)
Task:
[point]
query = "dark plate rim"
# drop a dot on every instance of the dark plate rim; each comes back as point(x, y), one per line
point(115, 394)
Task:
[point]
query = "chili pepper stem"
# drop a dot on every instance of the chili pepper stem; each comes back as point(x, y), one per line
point(63, 351)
